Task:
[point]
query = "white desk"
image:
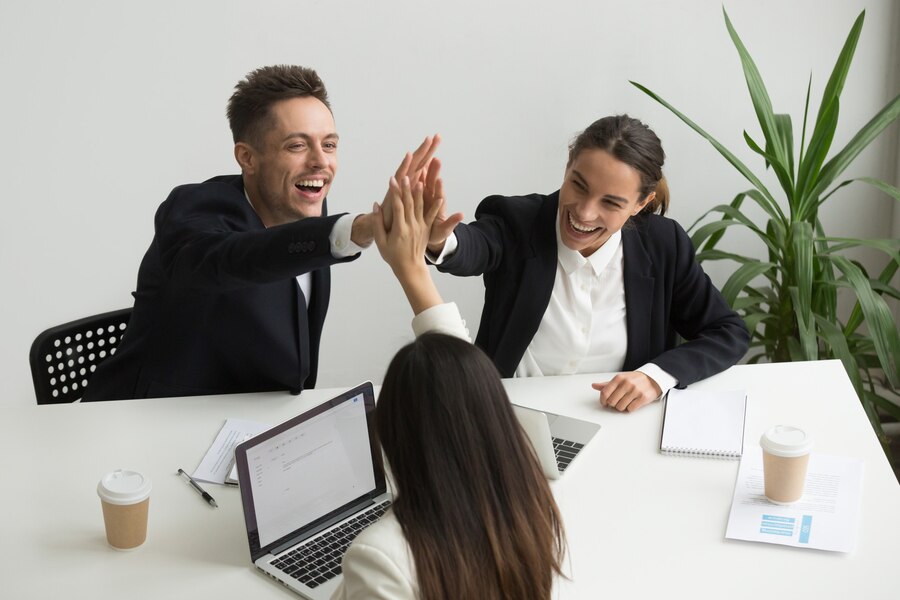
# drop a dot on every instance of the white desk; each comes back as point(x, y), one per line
point(639, 524)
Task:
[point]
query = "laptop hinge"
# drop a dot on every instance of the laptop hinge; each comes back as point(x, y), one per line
point(322, 526)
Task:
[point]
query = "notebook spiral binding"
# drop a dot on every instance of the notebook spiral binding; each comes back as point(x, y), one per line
point(700, 453)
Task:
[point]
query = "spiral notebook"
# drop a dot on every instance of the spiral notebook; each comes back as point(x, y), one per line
point(704, 423)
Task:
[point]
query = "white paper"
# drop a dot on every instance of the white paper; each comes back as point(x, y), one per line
point(825, 518)
point(219, 459)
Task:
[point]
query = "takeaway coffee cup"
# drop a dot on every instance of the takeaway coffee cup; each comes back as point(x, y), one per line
point(125, 498)
point(785, 457)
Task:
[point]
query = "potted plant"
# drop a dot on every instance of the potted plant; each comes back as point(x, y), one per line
point(789, 300)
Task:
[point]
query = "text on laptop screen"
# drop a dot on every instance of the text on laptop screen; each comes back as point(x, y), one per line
point(305, 472)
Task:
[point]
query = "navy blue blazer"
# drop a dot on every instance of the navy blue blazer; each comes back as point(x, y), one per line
point(217, 308)
point(512, 243)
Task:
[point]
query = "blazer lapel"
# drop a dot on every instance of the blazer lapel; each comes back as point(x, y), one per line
point(538, 277)
point(639, 283)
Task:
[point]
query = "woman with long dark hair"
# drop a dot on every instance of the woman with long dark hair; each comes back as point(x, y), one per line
point(473, 516)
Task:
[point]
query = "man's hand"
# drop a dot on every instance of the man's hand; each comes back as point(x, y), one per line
point(415, 167)
point(628, 391)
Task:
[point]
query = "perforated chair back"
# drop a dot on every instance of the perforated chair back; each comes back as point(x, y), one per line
point(64, 357)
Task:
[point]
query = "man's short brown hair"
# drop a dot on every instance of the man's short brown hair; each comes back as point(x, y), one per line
point(249, 108)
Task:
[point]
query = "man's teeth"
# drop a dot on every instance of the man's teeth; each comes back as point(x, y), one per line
point(312, 183)
point(577, 227)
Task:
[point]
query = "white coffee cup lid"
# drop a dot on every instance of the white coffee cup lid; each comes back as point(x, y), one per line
point(786, 440)
point(124, 487)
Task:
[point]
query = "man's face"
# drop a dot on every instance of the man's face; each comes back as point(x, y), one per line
point(598, 195)
point(291, 173)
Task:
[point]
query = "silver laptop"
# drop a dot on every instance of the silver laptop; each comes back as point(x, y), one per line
point(557, 439)
point(309, 486)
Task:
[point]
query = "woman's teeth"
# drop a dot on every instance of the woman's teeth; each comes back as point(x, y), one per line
point(580, 228)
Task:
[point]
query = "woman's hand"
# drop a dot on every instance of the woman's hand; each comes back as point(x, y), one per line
point(415, 166)
point(403, 247)
point(628, 391)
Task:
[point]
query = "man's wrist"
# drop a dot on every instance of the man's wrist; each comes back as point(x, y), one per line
point(361, 232)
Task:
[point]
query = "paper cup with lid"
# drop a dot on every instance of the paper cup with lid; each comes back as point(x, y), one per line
point(785, 457)
point(125, 499)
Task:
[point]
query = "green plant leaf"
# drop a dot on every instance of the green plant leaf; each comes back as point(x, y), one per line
point(825, 296)
point(836, 341)
point(805, 327)
point(819, 144)
point(786, 133)
point(762, 104)
point(805, 115)
point(878, 316)
point(856, 317)
point(884, 404)
point(741, 277)
point(794, 350)
point(868, 404)
point(720, 255)
point(801, 291)
point(827, 118)
point(881, 185)
point(889, 246)
point(747, 302)
point(735, 217)
point(834, 167)
point(773, 211)
point(752, 321)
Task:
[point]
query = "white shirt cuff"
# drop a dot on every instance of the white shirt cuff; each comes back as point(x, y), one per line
point(441, 318)
point(339, 238)
point(450, 246)
point(665, 381)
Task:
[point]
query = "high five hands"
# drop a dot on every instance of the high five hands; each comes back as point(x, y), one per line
point(420, 166)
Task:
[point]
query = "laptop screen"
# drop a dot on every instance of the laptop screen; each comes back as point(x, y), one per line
point(301, 473)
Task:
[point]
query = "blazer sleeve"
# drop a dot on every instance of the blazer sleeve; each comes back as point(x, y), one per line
point(715, 336)
point(370, 574)
point(207, 240)
point(481, 242)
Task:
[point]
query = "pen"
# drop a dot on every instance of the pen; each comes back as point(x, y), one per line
point(199, 489)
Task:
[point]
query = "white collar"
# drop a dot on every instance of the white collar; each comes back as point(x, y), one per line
point(572, 260)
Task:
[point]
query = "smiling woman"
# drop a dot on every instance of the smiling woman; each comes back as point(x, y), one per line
point(593, 278)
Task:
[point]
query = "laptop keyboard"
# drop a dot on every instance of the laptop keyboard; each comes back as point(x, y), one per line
point(319, 560)
point(565, 451)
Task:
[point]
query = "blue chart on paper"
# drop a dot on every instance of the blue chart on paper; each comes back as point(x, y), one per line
point(786, 526)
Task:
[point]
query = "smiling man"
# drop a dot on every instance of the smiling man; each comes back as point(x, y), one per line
point(233, 291)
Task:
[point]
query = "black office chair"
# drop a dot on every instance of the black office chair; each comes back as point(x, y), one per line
point(64, 357)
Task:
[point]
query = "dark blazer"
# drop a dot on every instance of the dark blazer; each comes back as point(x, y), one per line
point(512, 243)
point(217, 308)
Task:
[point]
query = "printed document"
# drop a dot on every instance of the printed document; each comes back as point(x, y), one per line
point(219, 459)
point(826, 517)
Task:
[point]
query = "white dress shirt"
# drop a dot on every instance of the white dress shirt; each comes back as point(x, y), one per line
point(583, 329)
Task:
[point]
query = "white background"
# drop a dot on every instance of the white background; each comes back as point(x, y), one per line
point(107, 105)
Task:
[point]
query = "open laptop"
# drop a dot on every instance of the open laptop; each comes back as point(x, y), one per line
point(557, 439)
point(308, 487)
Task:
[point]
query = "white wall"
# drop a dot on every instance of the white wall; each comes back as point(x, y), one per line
point(107, 105)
